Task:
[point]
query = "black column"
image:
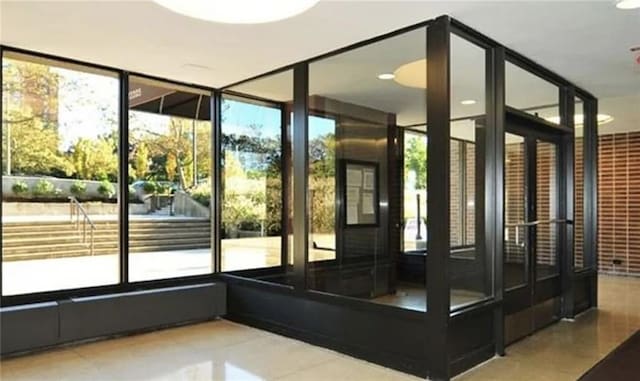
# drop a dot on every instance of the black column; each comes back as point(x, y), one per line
point(567, 204)
point(123, 177)
point(494, 183)
point(216, 189)
point(590, 144)
point(438, 132)
point(300, 173)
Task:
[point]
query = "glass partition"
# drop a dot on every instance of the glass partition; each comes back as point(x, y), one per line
point(255, 118)
point(169, 180)
point(360, 102)
point(59, 175)
point(527, 92)
point(471, 267)
point(578, 178)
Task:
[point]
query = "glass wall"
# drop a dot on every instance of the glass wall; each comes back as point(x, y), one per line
point(59, 175)
point(414, 205)
point(471, 266)
point(169, 180)
point(527, 92)
point(255, 118)
point(360, 177)
point(578, 176)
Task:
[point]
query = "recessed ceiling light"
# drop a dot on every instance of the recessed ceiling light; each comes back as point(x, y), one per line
point(578, 120)
point(238, 11)
point(468, 102)
point(412, 74)
point(386, 76)
point(628, 4)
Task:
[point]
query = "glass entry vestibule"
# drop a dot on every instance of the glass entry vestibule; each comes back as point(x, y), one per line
point(534, 227)
point(405, 200)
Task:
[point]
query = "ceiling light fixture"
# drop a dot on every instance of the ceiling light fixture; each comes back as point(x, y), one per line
point(412, 74)
point(628, 4)
point(238, 11)
point(468, 102)
point(386, 76)
point(578, 119)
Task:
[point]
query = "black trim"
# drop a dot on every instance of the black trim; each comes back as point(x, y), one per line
point(300, 174)
point(123, 177)
point(437, 271)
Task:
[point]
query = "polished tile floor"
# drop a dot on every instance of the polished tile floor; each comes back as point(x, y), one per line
point(221, 350)
point(564, 351)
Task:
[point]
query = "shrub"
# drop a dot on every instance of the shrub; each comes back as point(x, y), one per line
point(78, 188)
point(106, 189)
point(44, 188)
point(149, 187)
point(20, 188)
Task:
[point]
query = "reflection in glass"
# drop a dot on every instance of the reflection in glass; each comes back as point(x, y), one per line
point(527, 92)
point(322, 188)
point(515, 235)
point(471, 267)
point(414, 237)
point(355, 120)
point(547, 210)
point(251, 184)
point(169, 181)
point(578, 176)
point(59, 154)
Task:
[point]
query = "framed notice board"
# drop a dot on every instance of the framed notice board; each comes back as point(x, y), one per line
point(360, 192)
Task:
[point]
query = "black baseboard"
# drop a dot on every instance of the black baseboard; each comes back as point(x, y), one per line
point(32, 327)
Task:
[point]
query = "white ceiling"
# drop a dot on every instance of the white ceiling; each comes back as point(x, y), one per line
point(587, 42)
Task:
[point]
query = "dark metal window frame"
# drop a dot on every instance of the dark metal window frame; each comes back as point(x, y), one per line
point(123, 285)
point(439, 317)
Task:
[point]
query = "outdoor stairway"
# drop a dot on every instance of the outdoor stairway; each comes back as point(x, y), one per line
point(44, 239)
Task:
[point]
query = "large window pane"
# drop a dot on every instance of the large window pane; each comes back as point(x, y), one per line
point(578, 176)
point(414, 235)
point(527, 92)
point(360, 104)
point(59, 175)
point(254, 118)
point(471, 265)
point(169, 181)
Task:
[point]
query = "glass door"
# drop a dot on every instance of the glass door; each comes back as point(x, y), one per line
point(532, 230)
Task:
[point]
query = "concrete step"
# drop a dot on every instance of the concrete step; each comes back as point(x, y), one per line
point(82, 251)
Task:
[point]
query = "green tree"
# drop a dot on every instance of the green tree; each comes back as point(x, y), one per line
point(29, 120)
point(141, 161)
point(415, 159)
point(94, 159)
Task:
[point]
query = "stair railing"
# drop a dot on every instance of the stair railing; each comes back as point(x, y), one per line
point(75, 208)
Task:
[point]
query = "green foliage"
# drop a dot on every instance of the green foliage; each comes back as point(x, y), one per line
point(44, 188)
point(78, 188)
point(94, 159)
point(20, 188)
point(149, 187)
point(415, 159)
point(106, 189)
point(141, 160)
point(202, 194)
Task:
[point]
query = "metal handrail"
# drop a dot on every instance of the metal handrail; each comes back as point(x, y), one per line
point(538, 222)
point(523, 224)
point(75, 208)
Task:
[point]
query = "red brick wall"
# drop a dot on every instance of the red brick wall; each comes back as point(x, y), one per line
point(619, 203)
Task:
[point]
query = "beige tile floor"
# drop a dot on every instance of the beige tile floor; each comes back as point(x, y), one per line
point(221, 350)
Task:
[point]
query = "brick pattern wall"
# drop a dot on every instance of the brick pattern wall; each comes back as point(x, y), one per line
point(514, 201)
point(462, 234)
point(578, 222)
point(455, 228)
point(547, 206)
point(619, 203)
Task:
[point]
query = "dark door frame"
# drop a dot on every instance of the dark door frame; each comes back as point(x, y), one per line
point(539, 299)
